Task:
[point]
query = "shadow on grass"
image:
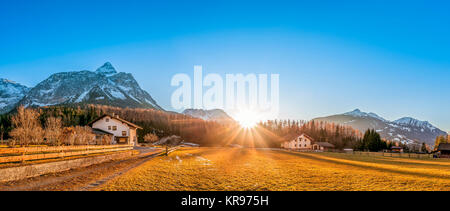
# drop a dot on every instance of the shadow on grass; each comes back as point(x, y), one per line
point(305, 155)
point(407, 162)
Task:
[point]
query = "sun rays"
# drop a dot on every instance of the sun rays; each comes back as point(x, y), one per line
point(247, 118)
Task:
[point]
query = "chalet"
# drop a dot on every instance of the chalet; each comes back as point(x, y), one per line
point(396, 149)
point(297, 142)
point(304, 142)
point(443, 150)
point(118, 130)
point(322, 146)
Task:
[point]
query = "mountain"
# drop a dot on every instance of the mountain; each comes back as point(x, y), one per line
point(105, 86)
point(358, 113)
point(211, 115)
point(10, 94)
point(406, 130)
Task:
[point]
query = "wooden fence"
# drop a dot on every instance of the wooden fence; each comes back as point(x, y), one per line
point(395, 155)
point(9, 155)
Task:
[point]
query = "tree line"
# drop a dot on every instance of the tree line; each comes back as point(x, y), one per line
point(25, 128)
point(340, 136)
point(66, 124)
point(35, 125)
point(442, 139)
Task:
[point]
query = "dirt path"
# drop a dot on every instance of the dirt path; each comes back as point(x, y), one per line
point(99, 182)
point(83, 178)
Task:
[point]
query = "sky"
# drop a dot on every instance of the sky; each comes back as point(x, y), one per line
point(387, 57)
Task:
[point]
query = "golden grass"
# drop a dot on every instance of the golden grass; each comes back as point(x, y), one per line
point(251, 169)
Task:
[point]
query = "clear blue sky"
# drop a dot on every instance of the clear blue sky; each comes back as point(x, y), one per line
point(391, 58)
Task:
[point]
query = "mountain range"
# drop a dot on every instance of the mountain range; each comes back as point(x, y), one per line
point(406, 130)
point(210, 115)
point(105, 86)
point(10, 94)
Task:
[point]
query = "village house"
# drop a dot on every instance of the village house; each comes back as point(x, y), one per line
point(112, 127)
point(443, 150)
point(297, 142)
point(304, 142)
point(322, 146)
point(396, 149)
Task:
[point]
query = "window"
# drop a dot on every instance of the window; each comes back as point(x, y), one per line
point(109, 127)
point(107, 119)
point(114, 128)
point(124, 133)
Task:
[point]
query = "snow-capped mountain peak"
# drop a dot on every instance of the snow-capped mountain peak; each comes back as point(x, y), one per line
point(359, 113)
point(405, 130)
point(210, 115)
point(4, 80)
point(105, 86)
point(10, 93)
point(409, 121)
point(106, 69)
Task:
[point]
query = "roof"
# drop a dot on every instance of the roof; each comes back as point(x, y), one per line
point(100, 132)
point(325, 144)
point(293, 136)
point(443, 147)
point(116, 118)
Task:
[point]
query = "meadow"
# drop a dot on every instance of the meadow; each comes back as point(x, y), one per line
point(234, 169)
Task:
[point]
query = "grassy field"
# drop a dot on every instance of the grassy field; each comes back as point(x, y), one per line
point(250, 169)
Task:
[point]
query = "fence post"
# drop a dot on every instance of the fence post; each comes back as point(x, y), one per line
point(23, 154)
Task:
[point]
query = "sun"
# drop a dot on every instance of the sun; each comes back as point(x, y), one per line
point(247, 119)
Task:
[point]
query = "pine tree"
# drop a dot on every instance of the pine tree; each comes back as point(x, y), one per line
point(424, 148)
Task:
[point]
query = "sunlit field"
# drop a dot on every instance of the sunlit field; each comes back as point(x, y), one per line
point(236, 169)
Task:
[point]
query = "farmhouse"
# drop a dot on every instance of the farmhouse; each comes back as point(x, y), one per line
point(118, 130)
point(298, 142)
point(443, 150)
point(322, 146)
point(396, 149)
point(304, 142)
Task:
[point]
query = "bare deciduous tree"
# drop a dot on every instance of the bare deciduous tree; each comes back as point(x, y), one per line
point(54, 131)
point(106, 140)
point(68, 136)
point(83, 135)
point(27, 128)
